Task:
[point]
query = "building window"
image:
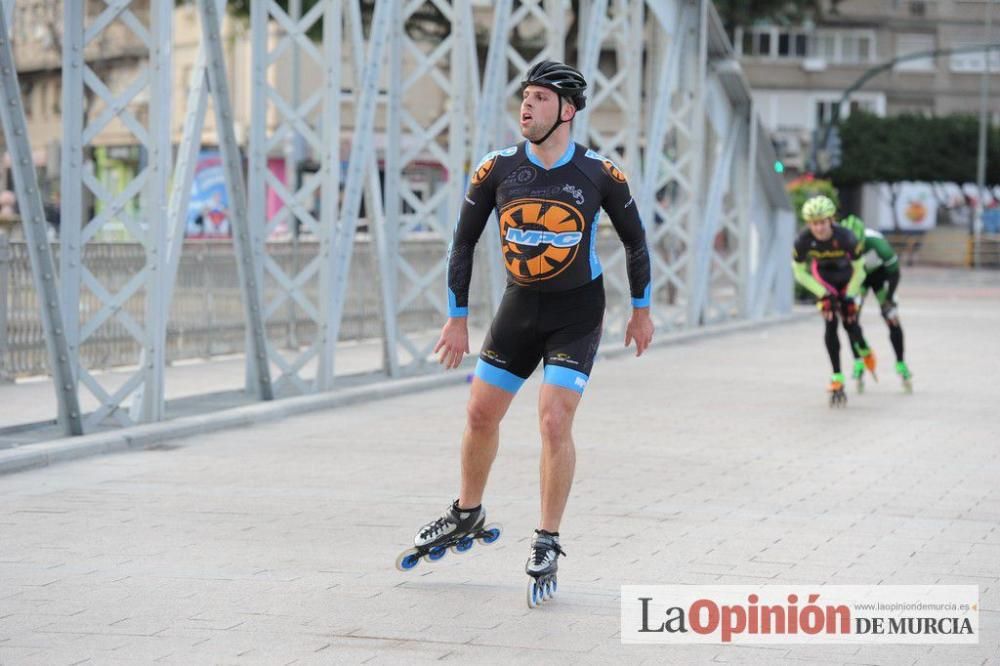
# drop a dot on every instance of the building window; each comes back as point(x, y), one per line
point(824, 112)
point(847, 47)
point(27, 98)
point(972, 62)
point(844, 47)
point(908, 43)
point(771, 42)
point(792, 45)
point(43, 99)
point(824, 109)
point(761, 44)
point(825, 46)
point(855, 49)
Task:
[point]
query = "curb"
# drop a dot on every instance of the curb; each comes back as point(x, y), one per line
point(151, 435)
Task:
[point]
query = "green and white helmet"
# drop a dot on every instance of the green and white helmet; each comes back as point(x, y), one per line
point(818, 208)
point(854, 224)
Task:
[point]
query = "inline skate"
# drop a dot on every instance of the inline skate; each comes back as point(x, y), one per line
point(542, 566)
point(456, 529)
point(836, 389)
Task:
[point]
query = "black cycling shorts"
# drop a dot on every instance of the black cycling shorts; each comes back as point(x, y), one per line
point(882, 282)
point(561, 328)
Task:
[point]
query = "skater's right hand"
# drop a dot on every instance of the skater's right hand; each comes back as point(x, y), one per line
point(453, 343)
point(850, 310)
point(825, 306)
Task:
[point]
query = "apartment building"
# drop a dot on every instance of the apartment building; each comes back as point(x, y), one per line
point(798, 72)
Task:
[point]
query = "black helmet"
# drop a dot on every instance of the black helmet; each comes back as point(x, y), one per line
point(562, 79)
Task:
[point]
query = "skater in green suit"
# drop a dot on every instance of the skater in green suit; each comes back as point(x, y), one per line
point(881, 276)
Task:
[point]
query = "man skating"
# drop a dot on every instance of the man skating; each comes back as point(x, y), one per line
point(881, 276)
point(826, 260)
point(548, 192)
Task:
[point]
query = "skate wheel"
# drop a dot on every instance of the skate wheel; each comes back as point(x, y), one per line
point(861, 386)
point(907, 386)
point(534, 594)
point(463, 545)
point(549, 591)
point(491, 533)
point(436, 553)
point(408, 559)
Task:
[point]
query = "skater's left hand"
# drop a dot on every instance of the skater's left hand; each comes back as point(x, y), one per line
point(640, 328)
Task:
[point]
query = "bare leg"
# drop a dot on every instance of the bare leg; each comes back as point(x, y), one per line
point(556, 409)
point(486, 408)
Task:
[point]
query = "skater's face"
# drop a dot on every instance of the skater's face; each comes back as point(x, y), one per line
point(539, 107)
point(821, 229)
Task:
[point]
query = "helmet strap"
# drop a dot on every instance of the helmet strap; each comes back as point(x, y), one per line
point(559, 121)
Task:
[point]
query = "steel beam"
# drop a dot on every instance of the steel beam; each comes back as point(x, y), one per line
point(233, 168)
point(154, 206)
point(35, 228)
point(491, 104)
point(330, 165)
point(361, 144)
point(719, 185)
point(71, 175)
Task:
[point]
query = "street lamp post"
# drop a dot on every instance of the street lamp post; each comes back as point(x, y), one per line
point(984, 96)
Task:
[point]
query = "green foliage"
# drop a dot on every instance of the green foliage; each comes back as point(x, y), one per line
point(807, 186)
point(427, 22)
point(781, 12)
point(914, 147)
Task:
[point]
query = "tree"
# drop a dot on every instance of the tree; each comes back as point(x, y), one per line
point(744, 13)
point(913, 147)
point(426, 23)
point(807, 186)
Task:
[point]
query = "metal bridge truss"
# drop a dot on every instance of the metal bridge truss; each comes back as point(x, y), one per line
point(142, 293)
point(667, 103)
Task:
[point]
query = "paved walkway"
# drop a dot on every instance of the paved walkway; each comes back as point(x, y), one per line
point(714, 461)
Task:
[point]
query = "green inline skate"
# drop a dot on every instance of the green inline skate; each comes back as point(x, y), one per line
point(904, 374)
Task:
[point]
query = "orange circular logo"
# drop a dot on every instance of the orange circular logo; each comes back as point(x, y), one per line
point(540, 238)
point(613, 171)
point(483, 170)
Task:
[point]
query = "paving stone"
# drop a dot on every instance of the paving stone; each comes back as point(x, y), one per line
point(712, 462)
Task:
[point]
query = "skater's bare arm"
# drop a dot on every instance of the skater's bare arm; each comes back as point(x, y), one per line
point(639, 328)
point(453, 343)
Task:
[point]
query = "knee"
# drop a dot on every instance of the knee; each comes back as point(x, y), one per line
point(555, 424)
point(890, 314)
point(481, 417)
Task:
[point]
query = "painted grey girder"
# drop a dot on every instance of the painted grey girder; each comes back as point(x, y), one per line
point(360, 158)
point(35, 228)
point(666, 94)
point(233, 169)
point(149, 185)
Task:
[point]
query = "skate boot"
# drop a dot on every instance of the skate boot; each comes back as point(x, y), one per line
point(858, 374)
point(542, 565)
point(455, 529)
point(868, 357)
point(904, 373)
point(837, 396)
